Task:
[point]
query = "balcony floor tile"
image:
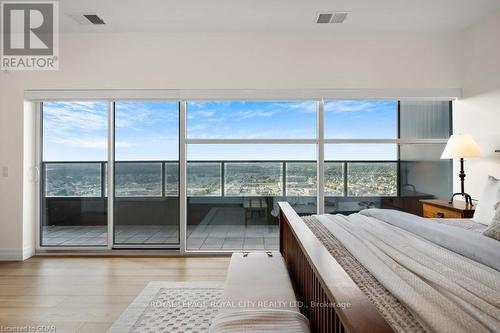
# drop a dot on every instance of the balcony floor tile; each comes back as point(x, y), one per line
point(210, 237)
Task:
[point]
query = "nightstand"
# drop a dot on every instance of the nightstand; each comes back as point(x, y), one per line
point(443, 209)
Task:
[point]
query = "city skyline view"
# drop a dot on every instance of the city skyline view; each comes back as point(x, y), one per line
point(230, 179)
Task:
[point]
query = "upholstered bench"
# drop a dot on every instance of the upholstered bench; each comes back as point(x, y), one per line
point(257, 280)
point(258, 296)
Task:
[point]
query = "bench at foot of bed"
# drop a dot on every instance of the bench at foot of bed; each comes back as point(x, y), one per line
point(258, 295)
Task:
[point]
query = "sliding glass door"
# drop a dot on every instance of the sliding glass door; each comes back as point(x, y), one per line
point(239, 167)
point(73, 188)
point(75, 191)
point(117, 165)
point(146, 174)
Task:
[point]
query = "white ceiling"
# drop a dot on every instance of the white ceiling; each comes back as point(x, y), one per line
point(276, 15)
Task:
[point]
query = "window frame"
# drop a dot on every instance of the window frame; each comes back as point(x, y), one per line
point(319, 141)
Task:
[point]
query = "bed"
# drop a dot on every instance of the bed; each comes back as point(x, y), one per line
point(322, 261)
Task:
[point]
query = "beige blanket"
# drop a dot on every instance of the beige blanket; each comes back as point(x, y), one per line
point(260, 321)
point(445, 291)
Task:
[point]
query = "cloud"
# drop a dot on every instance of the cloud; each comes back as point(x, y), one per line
point(228, 132)
point(204, 113)
point(75, 124)
point(254, 113)
point(86, 116)
point(299, 106)
point(125, 144)
point(81, 142)
point(137, 115)
point(342, 106)
point(85, 124)
point(235, 111)
point(247, 119)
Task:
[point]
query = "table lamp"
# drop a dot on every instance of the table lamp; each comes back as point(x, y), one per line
point(461, 146)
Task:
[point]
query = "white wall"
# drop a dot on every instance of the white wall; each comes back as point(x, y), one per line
point(11, 156)
point(209, 61)
point(29, 179)
point(478, 113)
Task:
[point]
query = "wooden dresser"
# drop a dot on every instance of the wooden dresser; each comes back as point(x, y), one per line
point(443, 209)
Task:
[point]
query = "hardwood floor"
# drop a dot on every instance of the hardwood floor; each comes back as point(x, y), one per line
point(86, 294)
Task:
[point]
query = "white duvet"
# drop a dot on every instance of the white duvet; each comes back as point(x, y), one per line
point(445, 291)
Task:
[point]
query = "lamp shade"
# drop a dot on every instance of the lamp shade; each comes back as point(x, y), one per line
point(460, 146)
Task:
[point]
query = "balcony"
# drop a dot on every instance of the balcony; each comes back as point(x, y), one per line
point(231, 205)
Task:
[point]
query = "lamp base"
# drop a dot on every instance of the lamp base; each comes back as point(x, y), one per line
point(468, 199)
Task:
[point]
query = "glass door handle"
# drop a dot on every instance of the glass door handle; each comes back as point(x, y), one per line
point(36, 174)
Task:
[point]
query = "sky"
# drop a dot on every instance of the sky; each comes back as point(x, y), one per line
point(77, 131)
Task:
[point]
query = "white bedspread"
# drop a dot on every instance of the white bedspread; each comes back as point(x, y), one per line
point(445, 291)
point(260, 321)
point(472, 245)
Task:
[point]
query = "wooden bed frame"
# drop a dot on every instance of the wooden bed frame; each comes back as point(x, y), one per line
point(320, 280)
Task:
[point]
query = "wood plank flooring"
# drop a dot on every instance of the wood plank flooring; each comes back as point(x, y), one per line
point(86, 294)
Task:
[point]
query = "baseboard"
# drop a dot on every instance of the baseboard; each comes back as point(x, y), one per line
point(28, 252)
point(11, 255)
point(16, 254)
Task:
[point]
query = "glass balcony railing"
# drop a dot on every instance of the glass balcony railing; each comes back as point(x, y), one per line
point(231, 205)
point(75, 179)
point(222, 179)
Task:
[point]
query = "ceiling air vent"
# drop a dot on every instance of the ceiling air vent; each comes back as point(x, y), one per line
point(336, 17)
point(87, 18)
point(339, 17)
point(94, 19)
point(324, 18)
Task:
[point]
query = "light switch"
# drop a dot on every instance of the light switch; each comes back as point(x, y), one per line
point(5, 171)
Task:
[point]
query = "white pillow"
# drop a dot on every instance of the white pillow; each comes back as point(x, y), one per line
point(493, 231)
point(485, 208)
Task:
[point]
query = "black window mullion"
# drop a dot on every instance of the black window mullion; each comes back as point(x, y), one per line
point(103, 179)
point(345, 178)
point(163, 178)
point(222, 177)
point(284, 179)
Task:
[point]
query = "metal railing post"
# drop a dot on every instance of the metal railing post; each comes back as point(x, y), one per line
point(163, 178)
point(103, 179)
point(320, 157)
point(222, 178)
point(345, 178)
point(284, 179)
